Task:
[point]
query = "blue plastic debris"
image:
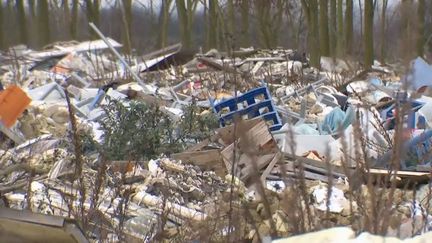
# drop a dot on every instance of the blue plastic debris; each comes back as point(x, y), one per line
point(252, 104)
point(415, 151)
point(388, 114)
point(337, 119)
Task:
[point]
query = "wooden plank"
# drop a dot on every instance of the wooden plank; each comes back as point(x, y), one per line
point(227, 133)
point(322, 171)
point(261, 162)
point(214, 64)
point(244, 160)
point(400, 173)
point(270, 167)
point(81, 47)
point(202, 144)
point(206, 160)
point(257, 66)
point(307, 175)
point(257, 136)
point(319, 164)
point(287, 166)
point(228, 156)
point(198, 146)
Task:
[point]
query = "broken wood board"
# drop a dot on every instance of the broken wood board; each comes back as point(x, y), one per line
point(310, 176)
point(316, 163)
point(206, 160)
point(254, 133)
point(292, 169)
point(260, 163)
point(227, 135)
point(254, 144)
point(81, 47)
point(214, 64)
point(258, 139)
point(198, 146)
point(271, 165)
point(403, 175)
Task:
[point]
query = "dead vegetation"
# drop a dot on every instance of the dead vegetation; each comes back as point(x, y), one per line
point(157, 165)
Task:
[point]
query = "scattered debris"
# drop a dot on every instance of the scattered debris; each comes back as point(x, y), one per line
point(281, 124)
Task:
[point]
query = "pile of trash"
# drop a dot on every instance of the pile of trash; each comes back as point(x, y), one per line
point(290, 138)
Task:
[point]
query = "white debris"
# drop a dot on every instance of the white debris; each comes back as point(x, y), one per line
point(337, 199)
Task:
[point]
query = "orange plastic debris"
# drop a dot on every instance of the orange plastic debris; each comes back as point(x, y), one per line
point(13, 102)
point(62, 66)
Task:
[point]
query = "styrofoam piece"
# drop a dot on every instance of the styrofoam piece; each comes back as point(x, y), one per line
point(88, 93)
point(48, 92)
point(330, 64)
point(325, 89)
point(420, 75)
point(358, 87)
point(324, 144)
point(379, 96)
point(335, 202)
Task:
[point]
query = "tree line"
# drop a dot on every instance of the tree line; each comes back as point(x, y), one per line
point(363, 29)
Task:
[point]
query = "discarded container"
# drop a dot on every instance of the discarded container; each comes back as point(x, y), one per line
point(247, 104)
point(13, 101)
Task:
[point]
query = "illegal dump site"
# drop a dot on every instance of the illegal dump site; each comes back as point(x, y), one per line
point(254, 145)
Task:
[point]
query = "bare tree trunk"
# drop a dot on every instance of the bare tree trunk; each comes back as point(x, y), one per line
point(43, 22)
point(421, 27)
point(262, 10)
point(340, 30)
point(382, 30)
point(269, 14)
point(230, 23)
point(323, 28)
point(31, 7)
point(361, 13)
point(185, 12)
point(74, 20)
point(212, 24)
point(66, 12)
point(244, 12)
point(333, 28)
point(2, 44)
point(349, 29)
point(206, 24)
point(368, 33)
point(22, 21)
point(164, 16)
point(127, 23)
point(311, 10)
point(409, 33)
point(96, 12)
point(183, 21)
point(221, 29)
point(277, 19)
point(92, 11)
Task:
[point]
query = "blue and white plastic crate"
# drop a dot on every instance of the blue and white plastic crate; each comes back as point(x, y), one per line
point(252, 104)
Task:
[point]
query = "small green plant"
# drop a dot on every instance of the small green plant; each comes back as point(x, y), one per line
point(196, 127)
point(136, 131)
point(140, 131)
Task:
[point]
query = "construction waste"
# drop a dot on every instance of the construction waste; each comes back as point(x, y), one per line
point(254, 146)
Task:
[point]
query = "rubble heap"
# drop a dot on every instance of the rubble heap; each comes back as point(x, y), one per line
point(259, 133)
